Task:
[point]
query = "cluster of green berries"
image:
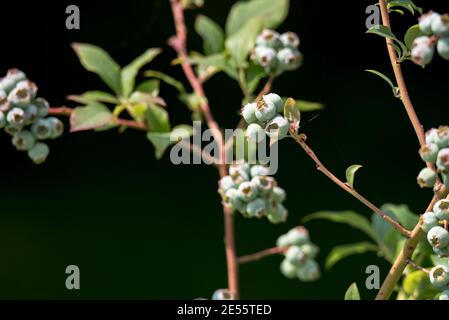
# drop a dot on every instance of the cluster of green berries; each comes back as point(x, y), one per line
point(276, 52)
point(264, 118)
point(436, 28)
point(252, 192)
point(299, 261)
point(436, 151)
point(23, 116)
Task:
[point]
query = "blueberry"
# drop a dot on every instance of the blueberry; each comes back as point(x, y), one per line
point(2, 120)
point(42, 107)
point(4, 103)
point(430, 220)
point(247, 191)
point(277, 128)
point(441, 209)
point(222, 294)
point(289, 59)
point(29, 86)
point(310, 250)
point(255, 133)
point(309, 271)
point(444, 295)
point(239, 167)
point(240, 176)
point(440, 25)
point(264, 184)
point(298, 236)
point(283, 241)
point(16, 117)
point(41, 129)
point(290, 39)
point(226, 183)
point(443, 160)
point(443, 48)
point(249, 113)
point(277, 213)
point(7, 84)
point(438, 237)
point(265, 110)
point(295, 255)
point(442, 137)
point(16, 75)
point(269, 38)
point(56, 127)
point(266, 57)
point(30, 114)
point(429, 152)
point(19, 97)
point(39, 153)
point(426, 178)
point(232, 199)
point(279, 194)
point(273, 98)
point(431, 136)
point(425, 21)
point(422, 54)
point(23, 140)
point(288, 269)
point(12, 130)
point(256, 208)
point(439, 276)
point(441, 252)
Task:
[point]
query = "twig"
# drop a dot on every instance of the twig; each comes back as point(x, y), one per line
point(417, 266)
point(261, 254)
point(300, 139)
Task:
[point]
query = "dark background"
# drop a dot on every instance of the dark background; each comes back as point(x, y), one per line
point(141, 228)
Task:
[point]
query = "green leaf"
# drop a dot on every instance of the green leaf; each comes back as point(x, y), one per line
point(97, 60)
point(417, 285)
point(142, 97)
point(212, 34)
point(150, 87)
point(292, 114)
point(407, 4)
point(93, 116)
point(157, 119)
point(350, 218)
point(340, 252)
point(166, 78)
point(381, 75)
point(412, 33)
point(306, 106)
point(130, 72)
point(352, 293)
point(272, 12)
point(350, 173)
point(94, 96)
point(162, 140)
point(382, 31)
point(192, 101)
point(212, 64)
point(240, 43)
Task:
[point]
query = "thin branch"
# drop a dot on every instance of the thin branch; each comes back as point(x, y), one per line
point(417, 266)
point(261, 254)
point(300, 139)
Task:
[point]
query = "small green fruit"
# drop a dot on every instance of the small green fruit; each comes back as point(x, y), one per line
point(438, 237)
point(288, 269)
point(39, 153)
point(427, 178)
point(439, 276)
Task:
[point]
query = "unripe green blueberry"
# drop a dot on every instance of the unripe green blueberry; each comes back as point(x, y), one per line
point(298, 236)
point(12, 130)
point(444, 295)
point(309, 271)
point(277, 128)
point(295, 255)
point(310, 250)
point(31, 87)
point(247, 191)
point(226, 183)
point(265, 111)
point(429, 152)
point(438, 237)
point(249, 113)
point(41, 129)
point(266, 57)
point(425, 21)
point(258, 170)
point(256, 208)
point(289, 58)
point(283, 241)
point(431, 136)
point(441, 209)
point(443, 47)
point(430, 220)
point(7, 84)
point(443, 160)
point(30, 114)
point(422, 54)
point(276, 100)
point(16, 75)
point(442, 137)
point(2, 120)
point(42, 107)
point(240, 176)
point(426, 178)
point(289, 39)
point(255, 133)
point(39, 153)
point(277, 214)
point(222, 294)
point(278, 194)
point(232, 199)
point(439, 276)
point(441, 252)
point(19, 97)
point(16, 117)
point(264, 184)
point(269, 38)
point(288, 269)
point(56, 126)
point(4, 103)
point(440, 25)
point(23, 140)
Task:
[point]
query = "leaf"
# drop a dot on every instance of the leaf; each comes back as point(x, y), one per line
point(350, 173)
point(382, 31)
point(94, 96)
point(412, 33)
point(393, 87)
point(166, 78)
point(214, 63)
point(93, 116)
point(417, 285)
point(150, 87)
point(142, 97)
point(97, 60)
point(306, 106)
point(352, 293)
point(162, 140)
point(157, 119)
point(407, 4)
point(272, 12)
point(130, 72)
point(292, 114)
point(240, 43)
point(212, 34)
point(350, 218)
point(193, 101)
point(340, 252)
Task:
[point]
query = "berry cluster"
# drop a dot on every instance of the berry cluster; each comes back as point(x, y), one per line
point(249, 190)
point(19, 108)
point(276, 52)
point(264, 118)
point(299, 261)
point(436, 26)
point(435, 151)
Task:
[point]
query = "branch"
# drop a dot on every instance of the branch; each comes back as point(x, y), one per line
point(417, 266)
point(300, 139)
point(261, 254)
